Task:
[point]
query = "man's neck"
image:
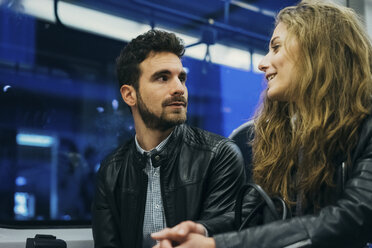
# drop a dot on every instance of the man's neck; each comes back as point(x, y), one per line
point(148, 139)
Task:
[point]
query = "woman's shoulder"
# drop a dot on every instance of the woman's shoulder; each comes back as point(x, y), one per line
point(365, 138)
point(245, 131)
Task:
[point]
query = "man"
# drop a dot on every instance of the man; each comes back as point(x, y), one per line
point(169, 172)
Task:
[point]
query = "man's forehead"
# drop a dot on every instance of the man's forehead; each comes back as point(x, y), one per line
point(162, 61)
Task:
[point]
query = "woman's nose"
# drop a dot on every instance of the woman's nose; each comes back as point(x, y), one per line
point(263, 65)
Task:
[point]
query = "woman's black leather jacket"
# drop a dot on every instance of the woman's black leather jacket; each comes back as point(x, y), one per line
point(344, 222)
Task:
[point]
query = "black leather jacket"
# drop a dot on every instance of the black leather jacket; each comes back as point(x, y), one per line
point(200, 174)
point(345, 220)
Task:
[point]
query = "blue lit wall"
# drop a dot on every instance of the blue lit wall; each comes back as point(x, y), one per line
point(220, 97)
point(17, 37)
point(240, 93)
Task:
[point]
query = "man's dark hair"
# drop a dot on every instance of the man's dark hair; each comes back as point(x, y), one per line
point(127, 64)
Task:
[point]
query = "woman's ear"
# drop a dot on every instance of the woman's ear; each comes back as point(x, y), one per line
point(128, 93)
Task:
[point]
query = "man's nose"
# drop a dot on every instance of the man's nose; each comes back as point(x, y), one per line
point(178, 87)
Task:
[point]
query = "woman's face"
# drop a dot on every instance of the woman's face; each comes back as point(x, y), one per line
point(279, 65)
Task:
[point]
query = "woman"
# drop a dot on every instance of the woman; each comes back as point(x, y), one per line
point(313, 135)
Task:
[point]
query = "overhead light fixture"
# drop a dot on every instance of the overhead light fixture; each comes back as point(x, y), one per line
point(230, 56)
point(245, 6)
point(253, 8)
point(85, 19)
point(100, 23)
point(42, 9)
point(119, 28)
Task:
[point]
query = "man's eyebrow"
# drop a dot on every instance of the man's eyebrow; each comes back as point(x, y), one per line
point(157, 74)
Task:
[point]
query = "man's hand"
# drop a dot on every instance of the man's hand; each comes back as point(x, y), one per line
point(187, 234)
point(192, 240)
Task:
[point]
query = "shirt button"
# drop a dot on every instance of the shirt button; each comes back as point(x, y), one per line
point(157, 157)
point(157, 206)
point(155, 173)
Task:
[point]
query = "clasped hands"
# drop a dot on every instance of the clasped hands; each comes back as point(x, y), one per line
point(187, 234)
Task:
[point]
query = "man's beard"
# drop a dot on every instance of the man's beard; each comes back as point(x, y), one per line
point(162, 123)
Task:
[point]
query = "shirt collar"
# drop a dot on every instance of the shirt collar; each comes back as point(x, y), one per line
point(156, 149)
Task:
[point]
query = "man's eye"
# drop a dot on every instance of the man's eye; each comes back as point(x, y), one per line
point(163, 78)
point(182, 79)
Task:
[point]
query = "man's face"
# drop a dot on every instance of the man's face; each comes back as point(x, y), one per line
point(162, 93)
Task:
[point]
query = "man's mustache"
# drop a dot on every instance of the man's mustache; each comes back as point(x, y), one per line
point(175, 99)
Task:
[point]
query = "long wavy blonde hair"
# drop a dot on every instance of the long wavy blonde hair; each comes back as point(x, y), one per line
point(333, 96)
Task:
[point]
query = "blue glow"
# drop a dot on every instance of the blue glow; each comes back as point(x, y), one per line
point(96, 167)
point(66, 217)
point(34, 140)
point(100, 109)
point(20, 181)
point(115, 104)
point(20, 203)
point(6, 87)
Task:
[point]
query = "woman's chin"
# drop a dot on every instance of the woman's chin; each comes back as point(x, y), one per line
point(276, 96)
point(271, 94)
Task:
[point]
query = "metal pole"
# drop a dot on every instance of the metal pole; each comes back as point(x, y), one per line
point(227, 11)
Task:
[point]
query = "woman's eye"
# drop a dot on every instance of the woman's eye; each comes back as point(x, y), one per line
point(275, 47)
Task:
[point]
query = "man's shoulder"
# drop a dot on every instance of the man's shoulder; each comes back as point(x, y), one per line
point(118, 154)
point(199, 137)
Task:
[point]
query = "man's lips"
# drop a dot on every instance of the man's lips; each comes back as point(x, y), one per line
point(177, 104)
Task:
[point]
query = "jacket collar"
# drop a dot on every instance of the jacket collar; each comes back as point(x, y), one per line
point(164, 154)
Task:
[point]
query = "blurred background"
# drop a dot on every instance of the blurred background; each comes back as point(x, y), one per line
point(60, 108)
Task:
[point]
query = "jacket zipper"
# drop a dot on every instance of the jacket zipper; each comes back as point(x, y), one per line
point(343, 175)
point(165, 206)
